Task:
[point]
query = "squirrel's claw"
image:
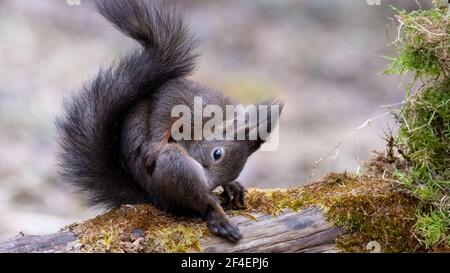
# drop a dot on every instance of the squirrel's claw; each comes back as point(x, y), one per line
point(233, 195)
point(225, 229)
point(219, 225)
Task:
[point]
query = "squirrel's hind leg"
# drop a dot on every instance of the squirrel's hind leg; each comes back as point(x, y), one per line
point(178, 183)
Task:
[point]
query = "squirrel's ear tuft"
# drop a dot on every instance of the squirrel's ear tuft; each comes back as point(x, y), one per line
point(268, 115)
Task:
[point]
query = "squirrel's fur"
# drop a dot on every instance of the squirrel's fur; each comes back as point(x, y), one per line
point(115, 140)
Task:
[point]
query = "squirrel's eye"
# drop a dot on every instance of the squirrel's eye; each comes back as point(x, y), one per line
point(217, 154)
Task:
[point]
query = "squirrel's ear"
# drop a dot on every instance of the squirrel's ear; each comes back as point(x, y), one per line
point(268, 115)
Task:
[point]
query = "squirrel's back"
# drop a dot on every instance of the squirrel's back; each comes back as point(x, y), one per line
point(90, 127)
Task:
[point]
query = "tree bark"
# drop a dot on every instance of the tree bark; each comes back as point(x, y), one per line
point(304, 231)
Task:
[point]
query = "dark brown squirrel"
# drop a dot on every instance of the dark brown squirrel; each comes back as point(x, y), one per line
point(115, 133)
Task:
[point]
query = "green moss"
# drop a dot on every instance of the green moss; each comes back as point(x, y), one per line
point(422, 43)
point(370, 209)
point(424, 133)
point(433, 227)
point(423, 61)
point(140, 228)
point(176, 239)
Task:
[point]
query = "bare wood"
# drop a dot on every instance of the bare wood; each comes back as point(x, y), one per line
point(56, 242)
point(305, 231)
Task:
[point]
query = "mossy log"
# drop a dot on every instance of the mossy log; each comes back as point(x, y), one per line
point(341, 212)
point(304, 231)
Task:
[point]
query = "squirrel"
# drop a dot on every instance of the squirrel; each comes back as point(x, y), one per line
point(115, 142)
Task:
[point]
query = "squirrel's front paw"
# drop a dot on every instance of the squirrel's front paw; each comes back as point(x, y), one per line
point(219, 225)
point(233, 195)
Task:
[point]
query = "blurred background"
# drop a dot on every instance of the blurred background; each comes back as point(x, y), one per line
point(322, 57)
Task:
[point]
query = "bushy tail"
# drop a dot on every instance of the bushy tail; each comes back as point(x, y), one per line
point(90, 127)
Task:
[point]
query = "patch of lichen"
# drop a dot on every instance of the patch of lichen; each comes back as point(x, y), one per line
point(371, 209)
point(139, 228)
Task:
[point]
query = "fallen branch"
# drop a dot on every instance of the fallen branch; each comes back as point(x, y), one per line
point(313, 218)
point(305, 231)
